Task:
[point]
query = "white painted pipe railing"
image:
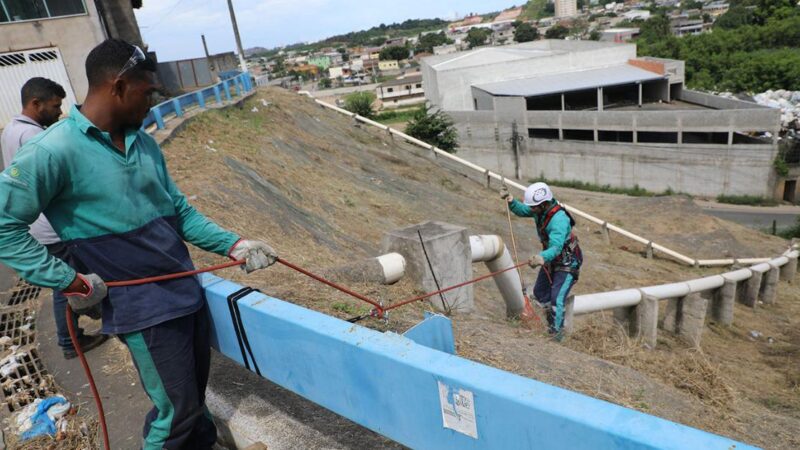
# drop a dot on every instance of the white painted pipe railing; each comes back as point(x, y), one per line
point(393, 265)
point(491, 250)
point(586, 216)
point(589, 303)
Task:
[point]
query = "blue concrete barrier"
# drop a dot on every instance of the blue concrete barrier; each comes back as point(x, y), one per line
point(213, 94)
point(421, 397)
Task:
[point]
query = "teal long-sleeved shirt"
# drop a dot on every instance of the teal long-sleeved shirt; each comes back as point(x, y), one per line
point(558, 230)
point(120, 214)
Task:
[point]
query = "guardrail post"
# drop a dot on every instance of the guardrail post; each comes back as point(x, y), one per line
point(722, 303)
point(604, 233)
point(672, 315)
point(569, 315)
point(159, 118)
point(649, 251)
point(789, 270)
point(752, 287)
point(236, 86)
point(645, 321)
point(488, 179)
point(693, 318)
point(226, 88)
point(201, 100)
point(177, 105)
point(217, 96)
point(770, 290)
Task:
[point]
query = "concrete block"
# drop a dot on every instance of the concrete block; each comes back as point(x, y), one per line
point(450, 255)
point(693, 318)
point(649, 251)
point(752, 287)
point(569, 315)
point(644, 323)
point(604, 233)
point(789, 270)
point(721, 308)
point(769, 291)
point(672, 315)
point(622, 316)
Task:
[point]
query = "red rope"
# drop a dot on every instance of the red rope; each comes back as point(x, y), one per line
point(172, 276)
point(97, 401)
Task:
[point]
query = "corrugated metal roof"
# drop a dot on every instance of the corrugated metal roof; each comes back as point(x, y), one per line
point(569, 81)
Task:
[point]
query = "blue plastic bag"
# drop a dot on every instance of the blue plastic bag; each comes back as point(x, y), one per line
point(42, 424)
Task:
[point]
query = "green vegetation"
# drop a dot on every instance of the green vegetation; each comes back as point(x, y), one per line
point(395, 116)
point(349, 308)
point(434, 128)
point(395, 52)
point(378, 35)
point(477, 36)
point(781, 167)
point(635, 191)
point(791, 232)
point(360, 103)
point(525, 32)
point(755, 46)
point(556, 32)
point(428, 41)
point(752, 200)
point(537, 9)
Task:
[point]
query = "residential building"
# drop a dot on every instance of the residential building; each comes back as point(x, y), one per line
point(388, 64)
point(595, 112)
point(618, 34)
point(306, 70)
point(683, 25)
point(50, 38)
point(401, 91)
point(716, 9)
point(336, 72)
point(636, 14)
point(395, 42)
point(566, 8)
point(445, 49)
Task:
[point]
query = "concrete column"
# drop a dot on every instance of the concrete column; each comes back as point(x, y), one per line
point(770, 290)
point(672, 315)
point(645, 321)
point(448, 248)
point(599, 99)
point(605, 234)
point(752, 287)
point(569, 315)
point(693, 318)
point(649, 251)
point(640, 93)
point(730, 138)
point(789, 270)
point(722, 303)
point(563, 103)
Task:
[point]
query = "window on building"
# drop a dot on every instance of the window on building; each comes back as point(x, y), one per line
point(543, 133)
point(389, 89)
point(17, 10)
point(419, 85)
point(579, 135)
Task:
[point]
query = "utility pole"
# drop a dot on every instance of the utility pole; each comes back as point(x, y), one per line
point(208, 57)
point(238, 39)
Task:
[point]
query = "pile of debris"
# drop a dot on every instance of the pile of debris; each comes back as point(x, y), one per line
point(789, 104)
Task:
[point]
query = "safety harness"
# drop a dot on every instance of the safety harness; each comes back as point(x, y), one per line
point(571, 257)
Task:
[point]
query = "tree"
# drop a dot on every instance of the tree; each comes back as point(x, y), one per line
point(325, 83)
point(343, 51)
point(735, 17)
point(360, 103)
point(477, 37)
point(594, 35)
point(525, 32)
point(557, 32)
point(426, 42)
point(395, 52)
point(434, 128)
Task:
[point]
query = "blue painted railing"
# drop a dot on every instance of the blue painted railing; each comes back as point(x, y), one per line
point(216, 94)
point(423, 397)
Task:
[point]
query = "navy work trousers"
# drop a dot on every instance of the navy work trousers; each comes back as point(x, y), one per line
point(553, 295)
point(173, 360)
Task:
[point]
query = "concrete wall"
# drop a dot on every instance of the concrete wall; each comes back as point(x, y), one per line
point(120, 21)
point(698, 169)
point(451, 89)
point(717, 102)
point(74, 37)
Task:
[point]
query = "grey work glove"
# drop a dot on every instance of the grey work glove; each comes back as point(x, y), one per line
point(87, 295)
point(505, 195)
point(536, 261)
point(258, 254)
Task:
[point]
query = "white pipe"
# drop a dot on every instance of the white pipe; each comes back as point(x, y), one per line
point(491, 250)
point(738, 275)
point(393, 265)
point(585, 304)
point(670, 290)
point(371, 122)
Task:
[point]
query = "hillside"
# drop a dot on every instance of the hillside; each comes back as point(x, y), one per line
point(323, 191)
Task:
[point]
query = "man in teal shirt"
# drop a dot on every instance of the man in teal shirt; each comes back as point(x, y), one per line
point(561, 257)
point(103, 184)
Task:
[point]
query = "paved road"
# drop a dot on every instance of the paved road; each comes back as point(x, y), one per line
point(753, 216)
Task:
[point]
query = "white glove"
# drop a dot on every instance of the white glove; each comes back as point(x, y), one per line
point(85, 296)
point(536, 261)
point(257, 254)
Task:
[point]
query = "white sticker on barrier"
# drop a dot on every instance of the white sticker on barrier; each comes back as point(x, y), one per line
point(458, 410)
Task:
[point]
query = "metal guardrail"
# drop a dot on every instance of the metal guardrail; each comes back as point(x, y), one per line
point(219, 93)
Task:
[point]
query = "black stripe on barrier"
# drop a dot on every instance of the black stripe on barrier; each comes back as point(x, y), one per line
point(238, 326)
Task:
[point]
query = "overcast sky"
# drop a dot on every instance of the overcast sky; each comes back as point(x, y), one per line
point(172, 28)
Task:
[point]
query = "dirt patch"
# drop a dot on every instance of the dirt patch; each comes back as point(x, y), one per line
point(323, 190)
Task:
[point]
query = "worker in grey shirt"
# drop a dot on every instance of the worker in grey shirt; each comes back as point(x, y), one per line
point(41, 107)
